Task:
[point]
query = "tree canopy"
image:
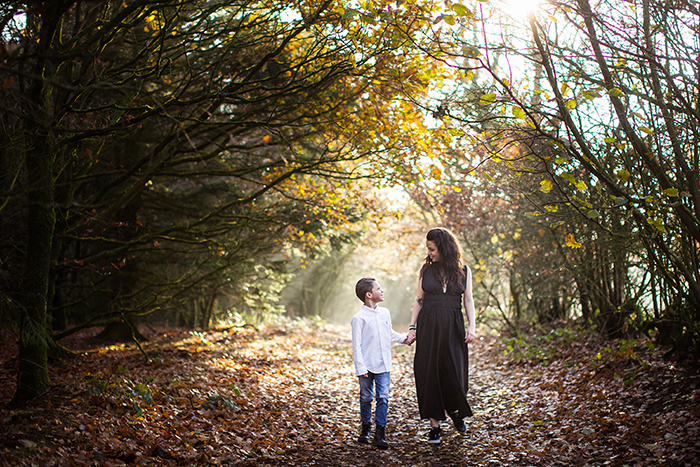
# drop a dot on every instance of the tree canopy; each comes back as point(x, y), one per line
point(183, 159)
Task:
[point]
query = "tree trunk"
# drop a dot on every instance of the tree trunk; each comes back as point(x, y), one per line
point(32, 371)
point(39, 156)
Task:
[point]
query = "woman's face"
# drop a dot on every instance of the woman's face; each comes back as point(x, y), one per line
point(433, 252)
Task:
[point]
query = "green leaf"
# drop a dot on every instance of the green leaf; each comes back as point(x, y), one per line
point(623, 175)
point(591, 94)
point(615, 92)
point(470, 51)
point(461, 10)
point(592, 214)
point(619, 201)
point(657, 223)
point(646, 130)
point(609, 140)
point(672, 192)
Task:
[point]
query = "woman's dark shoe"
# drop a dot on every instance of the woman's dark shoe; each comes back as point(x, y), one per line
point(364, 434)
point(380, 437)
point(434, 435)
point(459, 422)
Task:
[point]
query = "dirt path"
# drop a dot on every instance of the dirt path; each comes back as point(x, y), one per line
point(287, 396)
point(581, 408)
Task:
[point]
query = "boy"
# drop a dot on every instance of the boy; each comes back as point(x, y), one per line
point(371, 348)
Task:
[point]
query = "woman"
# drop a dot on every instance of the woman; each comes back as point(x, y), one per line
point(441, 364)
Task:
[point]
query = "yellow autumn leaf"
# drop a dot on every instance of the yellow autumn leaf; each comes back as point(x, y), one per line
point(672, 192)
point(571, 241)
point(487, 98)
point(518, 112)
point(545, 186)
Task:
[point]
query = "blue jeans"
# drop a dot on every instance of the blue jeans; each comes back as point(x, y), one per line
point(380, 381)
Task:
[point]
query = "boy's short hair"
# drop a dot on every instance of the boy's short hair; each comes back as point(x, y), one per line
point(364, 285)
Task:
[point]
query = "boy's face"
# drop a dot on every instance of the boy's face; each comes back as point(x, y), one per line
point(377, 294)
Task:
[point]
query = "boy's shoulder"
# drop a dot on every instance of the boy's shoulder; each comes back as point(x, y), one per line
point(358, 314)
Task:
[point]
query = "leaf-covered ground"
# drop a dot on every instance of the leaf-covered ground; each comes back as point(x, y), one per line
point(285, 395)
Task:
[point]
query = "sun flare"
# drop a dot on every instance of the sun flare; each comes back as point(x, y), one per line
point(521, 8)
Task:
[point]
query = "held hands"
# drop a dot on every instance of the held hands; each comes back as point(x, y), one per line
point(411, 338)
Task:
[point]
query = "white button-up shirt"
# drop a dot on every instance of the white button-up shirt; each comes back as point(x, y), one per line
point(372, 335)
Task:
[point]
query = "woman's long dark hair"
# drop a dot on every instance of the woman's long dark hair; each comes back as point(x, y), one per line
point(450, 267)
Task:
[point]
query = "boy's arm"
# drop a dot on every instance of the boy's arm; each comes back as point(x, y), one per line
point(393, 335)
point(360, 367)
point(398, 337)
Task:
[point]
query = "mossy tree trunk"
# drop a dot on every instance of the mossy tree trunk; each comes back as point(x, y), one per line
point(33, 374)
point(39, 156)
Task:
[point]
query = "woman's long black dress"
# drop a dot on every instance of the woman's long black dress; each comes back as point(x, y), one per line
point(441, 363)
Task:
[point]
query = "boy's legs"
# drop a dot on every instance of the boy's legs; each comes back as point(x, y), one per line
point(381, 383)
point(366, 386)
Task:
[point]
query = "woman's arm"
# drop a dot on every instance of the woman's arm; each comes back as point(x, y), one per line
point(417, 305)
point(469, 309)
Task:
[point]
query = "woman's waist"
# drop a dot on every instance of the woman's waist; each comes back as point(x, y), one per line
point(442, 299)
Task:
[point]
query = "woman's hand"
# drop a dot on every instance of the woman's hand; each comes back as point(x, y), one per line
point(470, 336)
point(411, 338)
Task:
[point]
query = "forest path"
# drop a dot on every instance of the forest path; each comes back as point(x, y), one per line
point(287, 396)
point(577, 407)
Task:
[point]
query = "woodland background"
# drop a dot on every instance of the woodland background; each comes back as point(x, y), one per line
point(204, 163)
